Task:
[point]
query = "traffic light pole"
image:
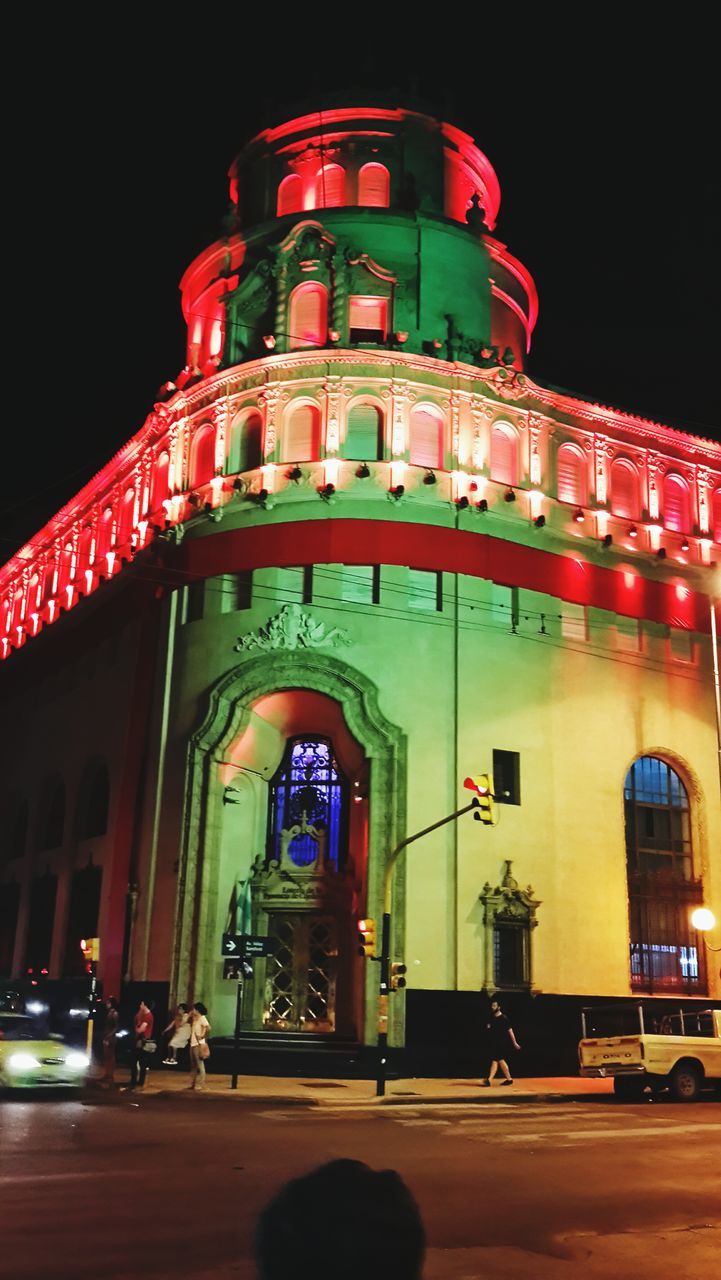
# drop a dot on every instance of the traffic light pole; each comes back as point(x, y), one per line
point(385, 956)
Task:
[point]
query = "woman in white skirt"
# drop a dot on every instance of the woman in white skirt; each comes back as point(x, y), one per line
point(180, 1027)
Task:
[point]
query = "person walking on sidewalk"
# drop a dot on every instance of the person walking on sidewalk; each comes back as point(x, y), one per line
point(142, 1032)
point(500, 1036)
point(110, 1032)
point(199, 1047)
point(180, 1027)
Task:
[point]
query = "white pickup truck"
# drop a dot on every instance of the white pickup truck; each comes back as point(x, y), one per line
point(681, 1052)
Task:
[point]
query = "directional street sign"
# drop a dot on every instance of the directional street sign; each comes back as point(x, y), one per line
point(236, 946)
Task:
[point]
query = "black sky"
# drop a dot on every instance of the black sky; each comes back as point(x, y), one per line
point(604, 142)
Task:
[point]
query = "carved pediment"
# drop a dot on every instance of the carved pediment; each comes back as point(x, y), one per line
point(293, 628)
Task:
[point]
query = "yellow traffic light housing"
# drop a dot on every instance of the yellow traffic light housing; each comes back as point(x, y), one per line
point(482, 785)
point(90, 948)
point(398, 972)
point(366, 938)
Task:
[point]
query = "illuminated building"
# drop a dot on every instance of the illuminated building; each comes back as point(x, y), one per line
point(353, 555)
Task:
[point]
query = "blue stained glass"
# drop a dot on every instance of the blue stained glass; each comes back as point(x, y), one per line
point(309, 790)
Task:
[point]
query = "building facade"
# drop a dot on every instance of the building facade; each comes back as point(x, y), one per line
point(353, 555)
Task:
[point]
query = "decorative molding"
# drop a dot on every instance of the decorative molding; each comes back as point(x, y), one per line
point(293, 628)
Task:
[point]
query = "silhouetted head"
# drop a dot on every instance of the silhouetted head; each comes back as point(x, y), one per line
point(371, 1227)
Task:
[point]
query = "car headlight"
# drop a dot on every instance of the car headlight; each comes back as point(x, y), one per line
point(22, 1062)
point(77, 1061)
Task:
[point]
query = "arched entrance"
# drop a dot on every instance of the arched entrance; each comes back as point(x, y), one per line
point(296, 791)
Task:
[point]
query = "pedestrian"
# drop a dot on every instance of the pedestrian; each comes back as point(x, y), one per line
point(199, 1047)
point(110, 1032)
point(371, 1227)
point(500, 1036)
point(142, 1038)
point(180, 1027)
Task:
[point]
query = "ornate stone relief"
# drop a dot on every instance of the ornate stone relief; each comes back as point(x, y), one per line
point(506, 904)
point(293, 628)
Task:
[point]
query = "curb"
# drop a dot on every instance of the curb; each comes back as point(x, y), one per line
point(375, 1104)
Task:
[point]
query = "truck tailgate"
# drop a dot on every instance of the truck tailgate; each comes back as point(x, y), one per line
point(611, 1055)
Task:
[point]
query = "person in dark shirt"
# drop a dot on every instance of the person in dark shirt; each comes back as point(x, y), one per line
point(500, 1037)
point(110, 1031)
point(142, 1031)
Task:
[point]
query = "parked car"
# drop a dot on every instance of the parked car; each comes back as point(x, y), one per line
point(32, 1058)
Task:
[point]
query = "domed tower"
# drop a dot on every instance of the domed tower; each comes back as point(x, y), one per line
point(365, 229)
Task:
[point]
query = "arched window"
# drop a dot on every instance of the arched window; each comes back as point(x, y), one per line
point(571, 483)
point(41, 920)
point(82, 917)
point(624, 490)
point(51, 826)
point(364, 433)
point(65, 566)
point(374, 186)
point(290, 195)
point(202, 457)
point(91, 815)
point(716, 516)
point(301, 437)
point(504, 454)
point(309, 790)
point(308, 316)
point(14, 832)
point(665, 953)
point(103, 537)
point(9, 909)
point(426, 437)
point(159, 485)
point(85, 542)
point(676, 504)
point(330, 187)
point(246, 433)
point(125, 521)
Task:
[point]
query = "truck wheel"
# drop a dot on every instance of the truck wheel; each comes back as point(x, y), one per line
point(628, 1088)
point(685, 1083)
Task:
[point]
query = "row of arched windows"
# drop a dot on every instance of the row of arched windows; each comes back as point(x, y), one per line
point(92, 803)
point(301, 442)
point(331, 187)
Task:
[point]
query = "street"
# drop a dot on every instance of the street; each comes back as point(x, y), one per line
point(125, 1185)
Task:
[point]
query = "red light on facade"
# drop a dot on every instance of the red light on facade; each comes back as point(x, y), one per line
point(579, 516)
point(633, 532)
point(269, 341)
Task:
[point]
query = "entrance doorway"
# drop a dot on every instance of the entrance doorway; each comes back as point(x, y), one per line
point(301, 973)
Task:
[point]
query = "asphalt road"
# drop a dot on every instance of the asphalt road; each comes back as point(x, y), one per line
point(132, 1186)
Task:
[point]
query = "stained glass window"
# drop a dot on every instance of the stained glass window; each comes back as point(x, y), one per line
point(309, 790)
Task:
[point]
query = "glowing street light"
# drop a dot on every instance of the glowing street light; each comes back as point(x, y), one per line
point(703, 919)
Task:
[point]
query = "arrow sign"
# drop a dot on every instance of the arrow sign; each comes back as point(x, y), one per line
point(231, 946)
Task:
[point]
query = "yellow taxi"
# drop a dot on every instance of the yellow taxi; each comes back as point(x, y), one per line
point(32, 1058)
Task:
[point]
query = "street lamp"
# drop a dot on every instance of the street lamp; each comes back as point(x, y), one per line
point(704, 921)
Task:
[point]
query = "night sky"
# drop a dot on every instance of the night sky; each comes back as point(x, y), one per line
point(605, 149)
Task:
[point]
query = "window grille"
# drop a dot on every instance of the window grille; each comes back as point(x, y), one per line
point(571, 476)
point(374, 186)
point(426, 431)
point(302, 434)
point(368, 319)
point(624, 490)
point(504, 456)
point(676, 504)
point(364, 433)
point(308, 316)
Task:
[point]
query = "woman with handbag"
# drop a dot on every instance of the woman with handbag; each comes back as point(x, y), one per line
point(199, 1047)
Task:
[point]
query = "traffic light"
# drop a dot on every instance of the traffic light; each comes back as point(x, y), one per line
point(398, 972)
point(90, 948)
point(482, 785)
point(366, 937)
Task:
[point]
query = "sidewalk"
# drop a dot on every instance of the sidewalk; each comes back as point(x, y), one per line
point(360, 1094)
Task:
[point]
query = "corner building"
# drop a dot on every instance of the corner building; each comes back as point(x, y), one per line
point(353, 555)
